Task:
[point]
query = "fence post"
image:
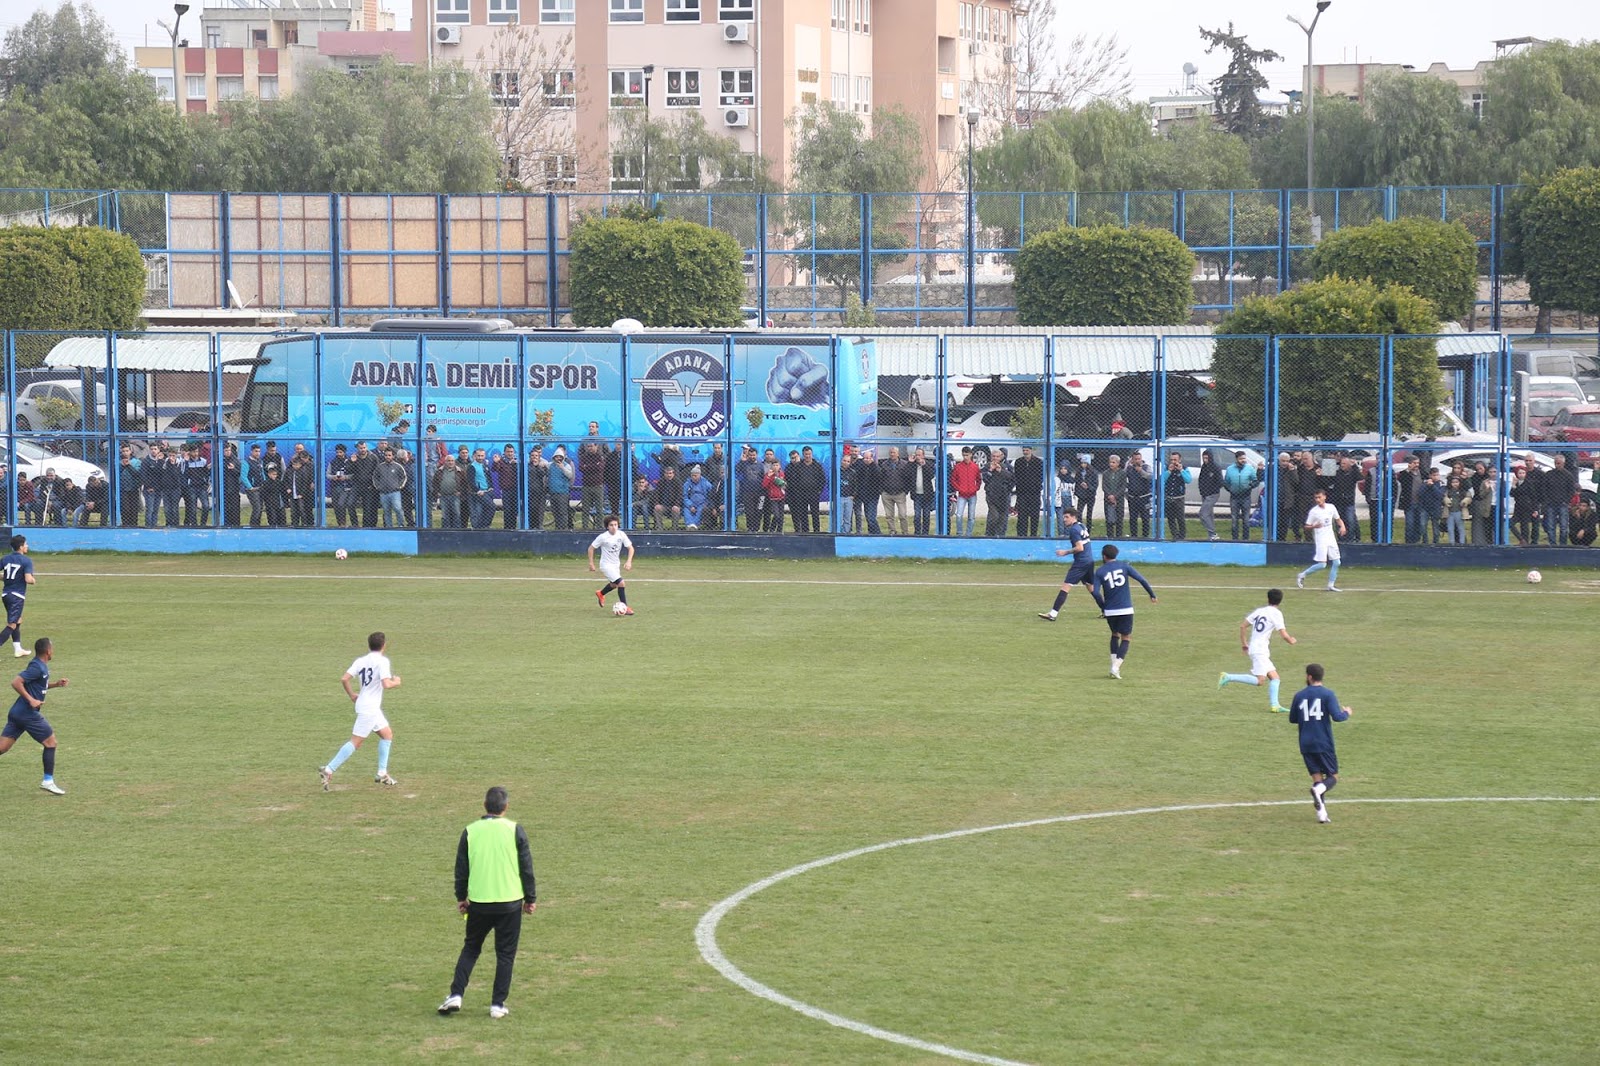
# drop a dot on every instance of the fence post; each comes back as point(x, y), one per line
point(761, 259)
point(335, 268)
point(1497, 204)
point(1285, 218)
point(442, 207)
point(866, 247)
point(225, 232)
point(1180, 212)
point(552, 281)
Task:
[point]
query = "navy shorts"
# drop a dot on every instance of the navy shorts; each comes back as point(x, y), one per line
point(1079, 574)
point(1321, 762)
point(27, 721)
point(14, 604)
point(1121, 624)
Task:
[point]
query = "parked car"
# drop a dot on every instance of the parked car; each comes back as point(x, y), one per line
point(1579, 423)
point(1544, 397)
point(1127, 398)
point(33, 460)
point(924, 391)
point(896, 420)
point(752, 319)
point(36, 397)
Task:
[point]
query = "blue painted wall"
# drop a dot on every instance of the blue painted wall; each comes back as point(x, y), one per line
point(1222, 553)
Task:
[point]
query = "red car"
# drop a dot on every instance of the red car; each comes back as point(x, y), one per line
point(1578, 423)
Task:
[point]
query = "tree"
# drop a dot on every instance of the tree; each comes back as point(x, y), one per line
point(661, 272)
point(834, 154)
point(1542, 110)
point(1327, 386)
point(1557, 232)
point(1104, 276)
point(1421, 133)
point(1344, 148)
point(1095, 68)
point(686, 155)
point(67, 278)
point(95, 131)
point(52, 48)
point(1238, 108)
point(532, 84)
point(1437, 260)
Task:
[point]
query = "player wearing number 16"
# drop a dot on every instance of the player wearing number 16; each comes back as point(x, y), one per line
point(373, 676)
point(1314, 709)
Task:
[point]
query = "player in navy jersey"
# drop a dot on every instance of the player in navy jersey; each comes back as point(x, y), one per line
point(1112, 590)
point(1314, 709)
point(1082, 569)
point(24, 717)
point(16, 574)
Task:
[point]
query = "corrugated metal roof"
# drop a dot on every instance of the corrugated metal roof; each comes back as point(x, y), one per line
point(155, 352)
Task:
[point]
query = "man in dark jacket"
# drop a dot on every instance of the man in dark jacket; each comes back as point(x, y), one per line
point(1141, 486)
point(508, 481)
point(363, 466)
point(924, 487)
point(1560, 484)
point(1406, 484)
point(1085, 488)
point(895, 493)
point(538, 487)
point(747, 488)
point(1028, 473)
point(340, 490)
point(1342, 494)
point(195, 475)
point(130, 486)
point(1208, 483)
point(805, 483)
point(998, 483)
point(868, 487)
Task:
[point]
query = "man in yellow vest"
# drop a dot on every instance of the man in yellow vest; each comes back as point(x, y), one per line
point(494, 889)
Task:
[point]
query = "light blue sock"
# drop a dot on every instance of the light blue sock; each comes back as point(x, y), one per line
point(1313, 568)
point(1333, 573)
point(1272, 690)
point(345, 752)
point(383, 755)
point(1241, 679)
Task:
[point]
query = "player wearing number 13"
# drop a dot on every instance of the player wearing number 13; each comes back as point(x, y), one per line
point(1314, 709)
point(1112, 590)
point(374, 677)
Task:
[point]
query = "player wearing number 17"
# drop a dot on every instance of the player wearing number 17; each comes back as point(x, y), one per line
point(374, 676)
point(1113, 593)
point(1314, 709)
point(16, 573)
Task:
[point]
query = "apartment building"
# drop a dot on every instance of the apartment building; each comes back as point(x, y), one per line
point(255, 47)
point(745, 66)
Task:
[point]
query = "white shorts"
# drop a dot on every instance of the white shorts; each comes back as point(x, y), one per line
point(1261, 665)
point(1326, 553)
point(612, 573)
point(369, 722)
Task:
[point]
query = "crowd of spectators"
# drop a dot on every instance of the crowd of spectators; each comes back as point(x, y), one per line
point(881, 490)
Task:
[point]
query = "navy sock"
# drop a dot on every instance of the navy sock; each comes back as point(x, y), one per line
point(622, 594)
point(49, 762)
point(608, 588)
point(1061, 598)
point(1328, 781)
point(1115, 644)
point(1123, 653)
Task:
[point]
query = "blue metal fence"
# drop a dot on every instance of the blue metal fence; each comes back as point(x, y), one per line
point(1146, 425)
point(907, 254)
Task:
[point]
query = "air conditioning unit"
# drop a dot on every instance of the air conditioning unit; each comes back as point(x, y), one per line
point(447, 34)
point(736, 32)
point(737, 117)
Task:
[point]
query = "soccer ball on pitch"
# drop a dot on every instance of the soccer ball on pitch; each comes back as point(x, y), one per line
point(1534, 577)
point(341, 554)
point(619, 609)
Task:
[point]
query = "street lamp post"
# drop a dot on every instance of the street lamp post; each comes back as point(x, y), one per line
point(644, 168)
point(180, 10)
point(973, 114)
point(1311, 123)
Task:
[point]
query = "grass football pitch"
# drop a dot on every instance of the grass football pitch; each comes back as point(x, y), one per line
point(196, 897)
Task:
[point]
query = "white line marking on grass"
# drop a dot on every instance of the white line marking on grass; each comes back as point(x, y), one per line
point(542, 578)
point(705, 933)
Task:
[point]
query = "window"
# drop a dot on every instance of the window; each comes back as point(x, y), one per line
point(560, 172)
point(736, 10)
point(503, 12)
point(558, 12)
point(683, 88)
point(737, 87)
point(683, 10)
point(841, 91)
point(682, 172)
point(864, 95)
point(1477, 105)
point(627, 10)
point(267, 88)
point(230, 88)
point(196, 86)
point(560, 88)
point(291, 32)
point(163, 85)
point(505, 88)
point(966, 21)
point(258, 39)
point(214, 37)
point(627, 88)
point(840, 17)
point(451, 11)
point(863, 16)
point(627, 173)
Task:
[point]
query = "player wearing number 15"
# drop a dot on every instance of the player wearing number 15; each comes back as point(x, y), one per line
point(1113, 593)
point(373, 676)
point(1314, 709)
point(16, 574)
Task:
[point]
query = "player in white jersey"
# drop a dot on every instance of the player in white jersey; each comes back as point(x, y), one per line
point(1255, 640)
point(1322, 520)
point(373, 677)
point(611, 543)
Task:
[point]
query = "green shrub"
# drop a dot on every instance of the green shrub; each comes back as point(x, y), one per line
point(1104, 276)
point(76, 278)
point(1557, 232)
point(1438, 260)
point(1328, 385)
point(663, 273)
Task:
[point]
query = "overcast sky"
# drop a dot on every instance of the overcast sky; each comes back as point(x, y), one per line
point(1161, 35)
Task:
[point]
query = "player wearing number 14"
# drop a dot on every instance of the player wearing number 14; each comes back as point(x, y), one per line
point(373, 677)
point(1314, 709)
